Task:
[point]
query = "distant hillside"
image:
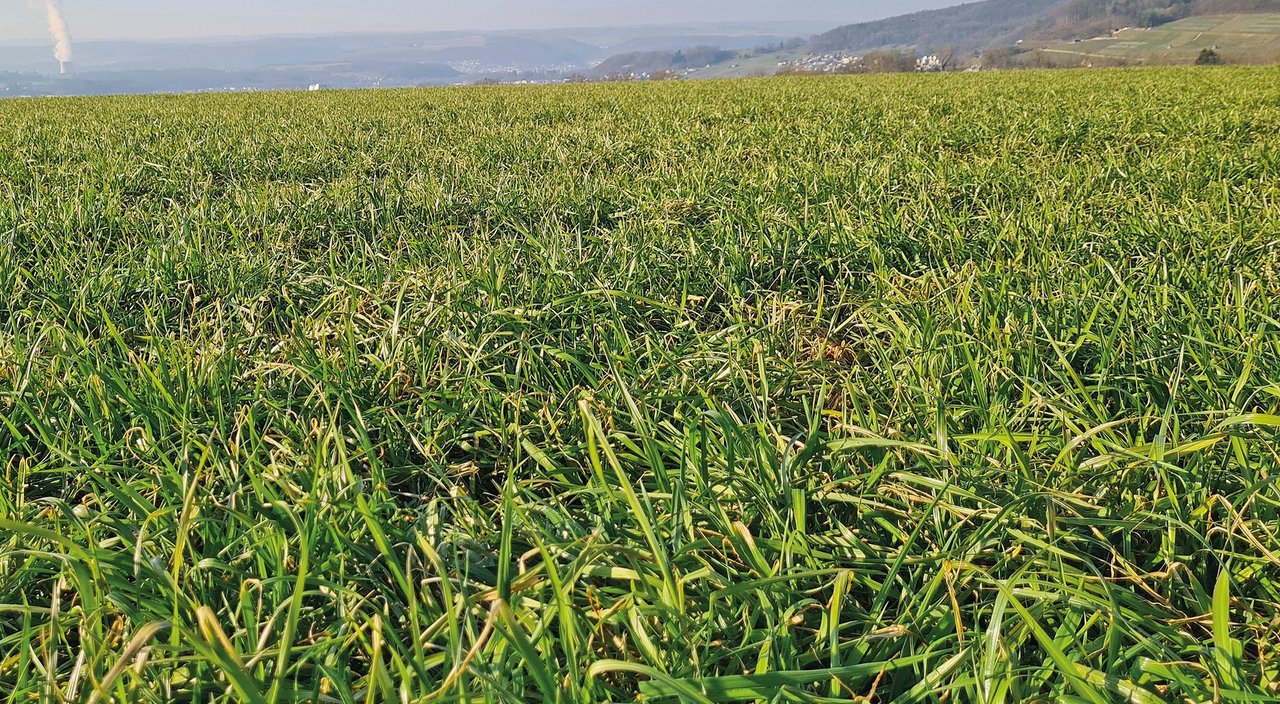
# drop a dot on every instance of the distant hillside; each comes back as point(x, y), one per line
point(994, 23)
point(1083, 19)
point(653, 62)
point(1004, 31)
point(970, 26)
point(1237, 39)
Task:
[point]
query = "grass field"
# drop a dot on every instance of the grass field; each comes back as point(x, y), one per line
point(957, 388)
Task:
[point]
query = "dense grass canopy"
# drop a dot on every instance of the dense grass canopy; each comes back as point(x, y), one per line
point(915, 388)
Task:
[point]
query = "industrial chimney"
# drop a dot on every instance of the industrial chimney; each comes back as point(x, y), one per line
point(61, 37)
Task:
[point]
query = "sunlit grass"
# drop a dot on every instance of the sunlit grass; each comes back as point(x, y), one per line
point(918, 389)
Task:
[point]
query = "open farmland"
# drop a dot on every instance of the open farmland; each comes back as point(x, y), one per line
point(1244, 39)
point(957, 388)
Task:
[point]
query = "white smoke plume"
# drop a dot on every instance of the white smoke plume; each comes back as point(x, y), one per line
point(57, 27)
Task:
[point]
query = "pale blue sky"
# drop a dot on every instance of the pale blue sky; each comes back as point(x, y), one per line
point(161, 19)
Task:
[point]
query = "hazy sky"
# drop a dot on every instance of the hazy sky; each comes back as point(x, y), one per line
point(158, 19)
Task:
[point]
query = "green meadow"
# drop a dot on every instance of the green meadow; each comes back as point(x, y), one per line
point(955, 388)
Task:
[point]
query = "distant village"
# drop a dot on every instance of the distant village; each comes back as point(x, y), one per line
point(840, 62)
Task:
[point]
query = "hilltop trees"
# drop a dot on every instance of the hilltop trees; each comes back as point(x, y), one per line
point(1209, 57)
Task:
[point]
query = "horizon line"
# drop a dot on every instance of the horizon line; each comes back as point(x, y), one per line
point(39, 41)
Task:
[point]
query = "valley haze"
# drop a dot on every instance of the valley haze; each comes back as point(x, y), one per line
point(357, 60)
point(140, 46)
